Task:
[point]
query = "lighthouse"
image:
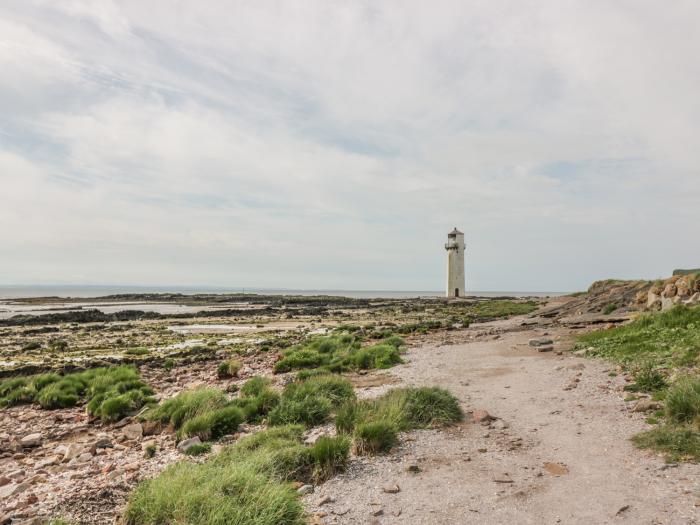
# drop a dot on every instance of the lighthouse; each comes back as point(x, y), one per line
point(455, 263)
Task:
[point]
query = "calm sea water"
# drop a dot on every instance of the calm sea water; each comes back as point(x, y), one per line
point(87, 291)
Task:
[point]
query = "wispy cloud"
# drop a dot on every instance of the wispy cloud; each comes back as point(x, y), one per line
point(332, 144)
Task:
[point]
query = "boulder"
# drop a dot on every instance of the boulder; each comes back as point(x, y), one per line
point(185, 444)
point(133, 431)
point(31, 440)
point(670, 290)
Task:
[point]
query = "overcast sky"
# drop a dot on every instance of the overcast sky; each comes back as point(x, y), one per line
point(333, 144)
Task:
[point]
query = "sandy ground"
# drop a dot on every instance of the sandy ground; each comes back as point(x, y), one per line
point(564, 455)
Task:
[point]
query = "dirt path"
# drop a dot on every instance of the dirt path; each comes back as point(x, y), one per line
point(489, 474)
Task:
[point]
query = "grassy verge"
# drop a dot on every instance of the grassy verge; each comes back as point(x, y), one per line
point(245, 483)
point(110, 393)
point(661, 350)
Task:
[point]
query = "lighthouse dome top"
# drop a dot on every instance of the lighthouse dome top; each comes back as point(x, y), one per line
point(455, 232)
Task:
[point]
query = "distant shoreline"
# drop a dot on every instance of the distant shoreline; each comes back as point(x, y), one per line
point(9, 292)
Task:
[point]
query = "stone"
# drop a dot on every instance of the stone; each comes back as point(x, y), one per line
point(13, 489)
point(151, 428)
point(499, 424)
point(323, 500)
point(148, 444)
point(503, 478)
point(72, 451)
point(377, 512)
point(646, 405)
point(31, 440)
point(481, 416)
point(4, 480)
point(305, 489)
point(185, 444)
point(16, 475)
point(82, 458)
point(102, 442)
point(547, 348)
point(134, 431)
point(414, 469)
point(48, 462)
point(556, 469)
point(391, 489)
point(540, 341)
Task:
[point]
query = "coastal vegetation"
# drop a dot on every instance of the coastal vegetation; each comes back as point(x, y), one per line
point(109, 393)
point(661, 351)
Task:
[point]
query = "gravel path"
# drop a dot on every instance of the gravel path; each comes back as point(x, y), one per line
point(559, 451)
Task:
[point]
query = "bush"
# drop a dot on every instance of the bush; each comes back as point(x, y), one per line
point(169, 364)
point(32, 345)
point(330, 455)
point(683, 401)
point(149, 451)
point(213, 424)
point(228, 368)
point(336, 389)
point(61, 394)
point(375, 437)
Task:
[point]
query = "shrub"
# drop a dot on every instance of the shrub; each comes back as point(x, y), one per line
point(683, 400)
point(61, 394)
point(44, 380)
point(375, 437)
point(15, 391)
point(168, 364)
point(610, 308)
point(336, 389)
point(31, 345)
point(213, 424)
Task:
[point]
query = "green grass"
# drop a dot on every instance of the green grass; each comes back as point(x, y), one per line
point(214, 424)
point(229, 368)
point(245, 484)
point(676, 442)
point(339, 353)
point(658, 348)
point(111, 393)
point(188, 405)
point(375, 423)
point(610, 308)
point(198, 449)
point(667, 340)
point(311, 402)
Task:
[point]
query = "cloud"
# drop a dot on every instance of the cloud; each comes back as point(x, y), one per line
point(332, 145)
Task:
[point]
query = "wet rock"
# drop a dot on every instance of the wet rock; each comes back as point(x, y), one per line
point(133, 431)
point(185, 444)
point(31, 440)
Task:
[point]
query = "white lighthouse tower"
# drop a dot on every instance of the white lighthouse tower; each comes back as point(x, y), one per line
point(455, 263)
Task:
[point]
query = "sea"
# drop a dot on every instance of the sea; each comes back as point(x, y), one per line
point(91, 291)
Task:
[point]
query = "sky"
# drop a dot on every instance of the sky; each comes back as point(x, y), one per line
point(333, 144)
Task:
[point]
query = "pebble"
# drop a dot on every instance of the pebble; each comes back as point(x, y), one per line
point(391, 489)
point(305, 489)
